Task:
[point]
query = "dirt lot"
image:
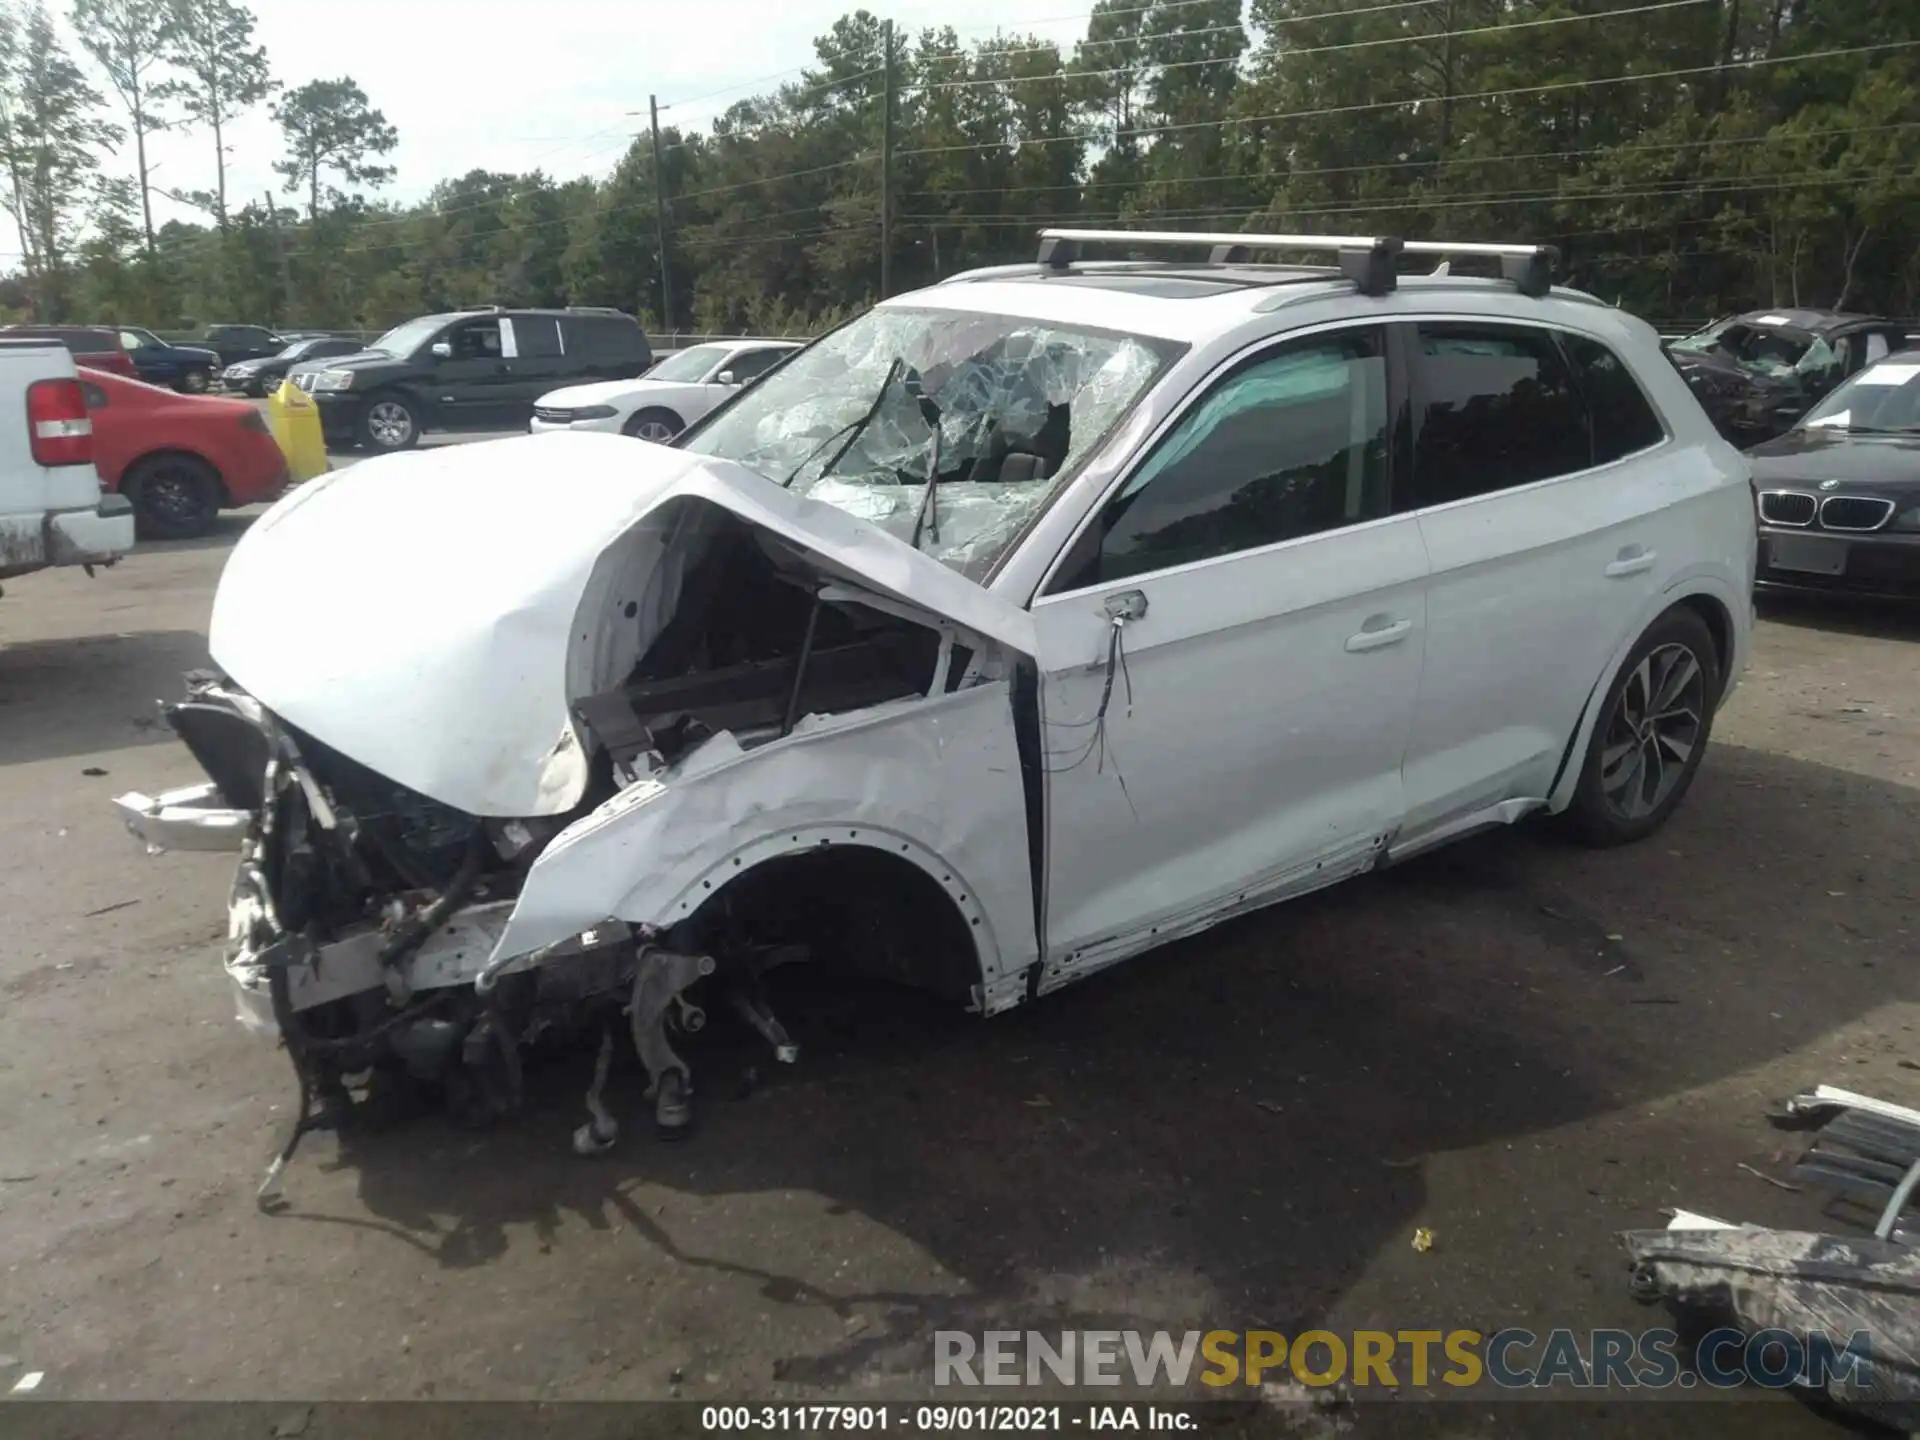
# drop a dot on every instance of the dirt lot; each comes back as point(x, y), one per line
point(1524, 1047)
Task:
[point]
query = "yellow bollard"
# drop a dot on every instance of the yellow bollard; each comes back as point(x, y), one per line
point(295, 422)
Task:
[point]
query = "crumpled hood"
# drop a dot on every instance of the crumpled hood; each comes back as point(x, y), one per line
point(417, 612)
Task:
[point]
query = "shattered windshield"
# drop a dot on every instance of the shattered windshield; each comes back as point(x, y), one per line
point(1002, 408)
point(1769, 350)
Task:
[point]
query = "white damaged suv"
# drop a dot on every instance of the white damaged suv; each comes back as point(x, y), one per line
point(1235, 580)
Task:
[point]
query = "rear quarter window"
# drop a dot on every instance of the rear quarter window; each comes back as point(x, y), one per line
point(1623, 420)
point(605, 337)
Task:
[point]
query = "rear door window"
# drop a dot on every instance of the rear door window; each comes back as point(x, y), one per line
point(537, 337)
point(1495, 407)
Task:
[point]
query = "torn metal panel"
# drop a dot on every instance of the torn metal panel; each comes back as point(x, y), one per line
point(1804, 1284)
point(884, 778)
point(492, 584)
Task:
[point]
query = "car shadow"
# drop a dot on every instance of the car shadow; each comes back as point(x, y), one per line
point(1232, 1130)
point(1845, 614)
point(227, 528)
point(85, 695)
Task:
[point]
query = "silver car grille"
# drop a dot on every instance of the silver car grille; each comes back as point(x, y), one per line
point(1787, 507)
point(1855, 512)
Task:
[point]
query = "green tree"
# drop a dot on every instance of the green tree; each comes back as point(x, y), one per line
point(222, 74)
point(53, 140)
point(128, 40)
point(328, 126)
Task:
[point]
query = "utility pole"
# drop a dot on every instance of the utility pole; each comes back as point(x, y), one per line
point(286, 270)
point(660, 216)
point(886, 158)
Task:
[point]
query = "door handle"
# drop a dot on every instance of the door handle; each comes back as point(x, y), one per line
point(1378, 631)
point(1633, 560)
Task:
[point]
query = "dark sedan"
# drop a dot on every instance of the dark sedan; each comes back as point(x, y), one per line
point(257, 377)
point(1838, 496)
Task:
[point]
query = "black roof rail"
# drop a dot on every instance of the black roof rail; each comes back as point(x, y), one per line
point(1367, 260)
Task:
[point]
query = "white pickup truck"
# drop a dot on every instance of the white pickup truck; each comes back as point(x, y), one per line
point(52, 511)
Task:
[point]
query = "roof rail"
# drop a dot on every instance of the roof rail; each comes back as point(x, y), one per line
point(1367, 260)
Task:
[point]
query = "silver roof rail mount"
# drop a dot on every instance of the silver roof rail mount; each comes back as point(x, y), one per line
point(1367, 260)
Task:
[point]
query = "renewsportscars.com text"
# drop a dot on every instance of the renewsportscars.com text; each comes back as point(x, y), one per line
point(1511, 1359)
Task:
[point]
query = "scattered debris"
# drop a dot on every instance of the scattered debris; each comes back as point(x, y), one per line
point(1762, 1175)
point(93, 770)
point(1614, 971)
point(1423, 1240)
point(1864, 1288)
point(855, 1324)
point(295, 1424)
point(1272, 1107)
point(1038, 1102)
point(29, 1382)
point(109, 909)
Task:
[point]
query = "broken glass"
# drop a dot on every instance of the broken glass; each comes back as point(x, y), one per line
point(1020, 404)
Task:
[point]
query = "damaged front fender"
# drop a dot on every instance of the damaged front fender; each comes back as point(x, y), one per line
point(934, 782)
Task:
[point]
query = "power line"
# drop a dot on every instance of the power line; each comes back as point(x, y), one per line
point(1063, 76)
point(1147, 131)
point(1449, 162)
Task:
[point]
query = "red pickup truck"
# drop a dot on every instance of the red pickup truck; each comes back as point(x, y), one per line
point(92, 346)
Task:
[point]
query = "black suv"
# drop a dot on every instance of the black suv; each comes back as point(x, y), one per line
point(471, 370)
point(234, 343)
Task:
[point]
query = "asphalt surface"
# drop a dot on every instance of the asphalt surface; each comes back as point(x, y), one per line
point(1522, 1047)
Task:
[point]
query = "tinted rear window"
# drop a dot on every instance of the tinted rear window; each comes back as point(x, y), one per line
point(1623, 421)
point(604, 335)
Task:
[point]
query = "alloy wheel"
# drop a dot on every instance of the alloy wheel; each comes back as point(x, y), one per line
point(1656, 725)
point(389, 424)
point(657, 431)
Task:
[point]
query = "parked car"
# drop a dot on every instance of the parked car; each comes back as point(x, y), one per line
point(1839, 494)
point(90, 345)
point(257, 377)
point(1758, 373)
point(234, 343)
point(469, 370)
point(1019, 626)
point(187, 368)
point(52, 510)
point(674, 394)
point(180, 459)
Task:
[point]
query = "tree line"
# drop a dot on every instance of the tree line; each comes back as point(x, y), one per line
point(1688, 157)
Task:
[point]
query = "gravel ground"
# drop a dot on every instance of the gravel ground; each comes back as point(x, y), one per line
point(1524, 1047)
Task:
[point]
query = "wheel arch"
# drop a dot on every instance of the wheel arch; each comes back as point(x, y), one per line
point(931, 920)
point(1707, 596)
point(130, 471)
point(630, 425)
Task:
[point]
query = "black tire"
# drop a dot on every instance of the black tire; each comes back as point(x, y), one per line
point(388, 422)
point(196, 381)
point(1641, 761)
point(174, 497)
point(641, 422)
point(255, 389)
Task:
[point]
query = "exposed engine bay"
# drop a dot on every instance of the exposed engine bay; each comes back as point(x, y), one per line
point(366, 917)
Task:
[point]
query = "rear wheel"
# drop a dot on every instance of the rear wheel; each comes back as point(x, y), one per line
point(196, 381)
point(656, 424)
point(388, 423)
point(1651, 735)
point(174, 497)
